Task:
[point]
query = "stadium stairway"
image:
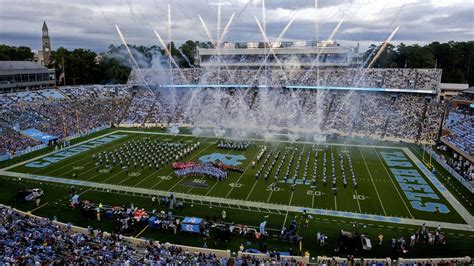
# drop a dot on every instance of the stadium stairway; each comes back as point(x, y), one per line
point(125, 112)
point(420, 122)
point(227, 103)
point(326, 113)
point(150, 111)
point(385, 125)
point(253, 100)
point(62, 93)
point(300, 113)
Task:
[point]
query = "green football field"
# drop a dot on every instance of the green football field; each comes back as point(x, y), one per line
point(380, 200)
point(378, 192)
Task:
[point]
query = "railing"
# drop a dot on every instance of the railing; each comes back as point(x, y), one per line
point(22, 152)
point(434, 261)
point(5, 157)
point(320, 260)
point(82, 134)
point(299, 259)
point(462, 180)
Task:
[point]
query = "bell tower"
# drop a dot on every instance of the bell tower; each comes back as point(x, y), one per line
point(46, 45)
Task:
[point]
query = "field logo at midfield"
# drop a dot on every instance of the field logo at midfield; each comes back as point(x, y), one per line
point(229, 159)
point(416, 189)
point(69, 152)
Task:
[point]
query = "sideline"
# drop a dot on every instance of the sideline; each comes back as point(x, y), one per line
point(271, 206)
point(52, 152)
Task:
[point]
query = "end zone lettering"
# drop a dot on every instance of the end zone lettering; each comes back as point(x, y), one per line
point(417, 191)
point(64, 154)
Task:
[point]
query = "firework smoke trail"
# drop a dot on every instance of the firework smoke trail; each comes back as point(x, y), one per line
point(133, 59)
point(218, 41)
point(293, 16)
point(316, 61)
point(244, 8)
point(130, 5)
point(103, 13)
point(379, 52)
point(331, 37)
point(185, 58)
point(262, 31)
point(208, 33)
point(168, 52)
point(382, 49)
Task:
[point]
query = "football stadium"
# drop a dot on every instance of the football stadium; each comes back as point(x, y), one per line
point(277, 152)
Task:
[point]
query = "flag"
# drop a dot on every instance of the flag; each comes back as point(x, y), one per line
point(61, 76)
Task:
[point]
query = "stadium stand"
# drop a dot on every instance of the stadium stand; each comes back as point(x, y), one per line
point(54, 113)
point(70, 110)
point(29, 239)
point(462, 127)
point(412, 79)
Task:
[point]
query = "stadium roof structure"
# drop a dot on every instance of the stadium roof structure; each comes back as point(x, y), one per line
point(453, 86)
point(470, 90)
point(20, 65)
point(22, 75)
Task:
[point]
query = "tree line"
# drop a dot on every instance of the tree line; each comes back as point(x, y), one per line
point(82, 66)
point(456, 59)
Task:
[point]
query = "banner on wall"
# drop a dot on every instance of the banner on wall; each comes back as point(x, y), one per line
point(38, 135)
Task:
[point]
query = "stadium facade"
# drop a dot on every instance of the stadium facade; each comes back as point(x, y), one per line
point(24, 75)
point(279, 54)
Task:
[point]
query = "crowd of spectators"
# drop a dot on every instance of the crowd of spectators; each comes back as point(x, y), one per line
point(461, 125)
point(71, 110)
point(33, 240)
point(30, 97)
point(463, 167)
point(58, 116)
point(397, 78)
point(96, 91)
point(13, 141)
point(397, 115)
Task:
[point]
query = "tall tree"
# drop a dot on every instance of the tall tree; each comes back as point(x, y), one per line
point(12, 53)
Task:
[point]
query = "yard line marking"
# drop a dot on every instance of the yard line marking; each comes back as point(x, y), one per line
point(316, 152)
point(141, 232)
point(246, 168)
point(39, 207)
point(256, 181)
point(373, 183)
point(291, 198)
point(269, 196)
point(393, 183)
point(284, 221)
point(335, 161)
point(250, 193)
point(271, 192)
point(358, 203)
point(355, 190)
point(213, 186)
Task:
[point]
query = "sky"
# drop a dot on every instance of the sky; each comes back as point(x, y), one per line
point(91, 24)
